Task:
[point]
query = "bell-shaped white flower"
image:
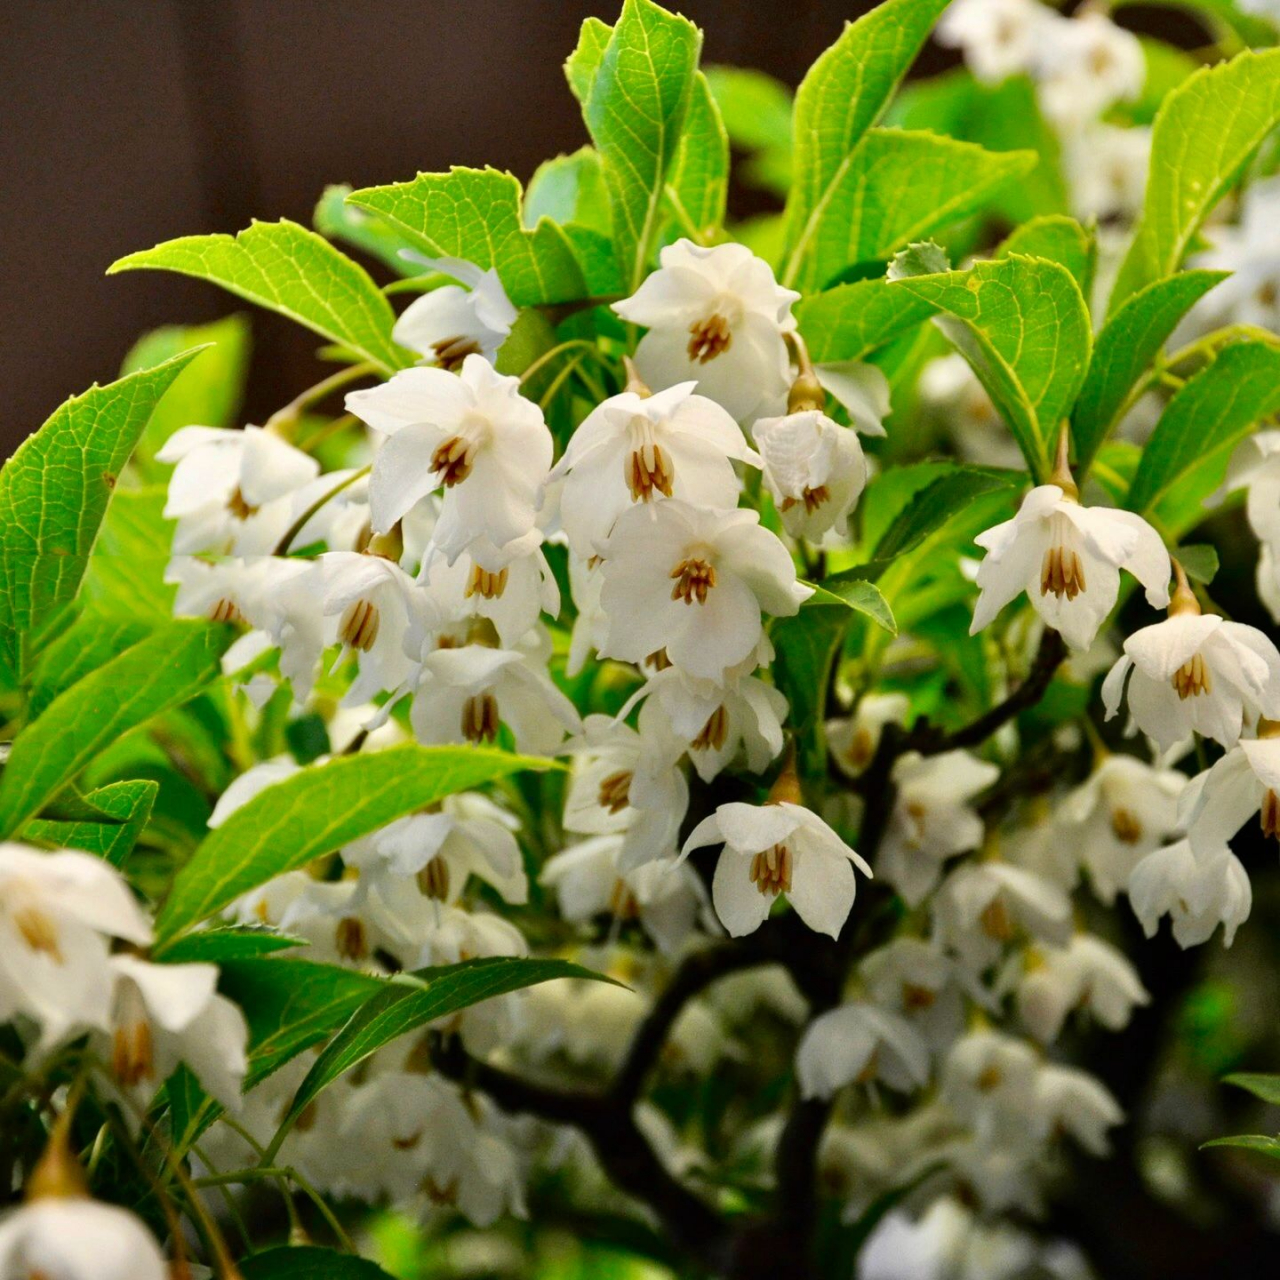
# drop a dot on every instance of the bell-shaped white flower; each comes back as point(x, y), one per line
point(463, 695)
point(716, 316)
point(1124, 810)
point(1072, 1102)
point(473, 433)
point(774, 849)
point(694, 582)
point(932, 818)
point(1219, 801)
point(166, 1014)
point(999, 38)
point(1088, 974)
point(852, 740)
point(1198, 889)
point(956, 403)
point(57, 912)
point(627, 782)
point(1085, 67)
point(637, 447)
point(988, 1080)
point(448, 324)
point(75, 1238)
point(919, 981)
point(859, 1042)
point(1067, 558)
point(227, 488)
point(589, 880)
point(1195, 672)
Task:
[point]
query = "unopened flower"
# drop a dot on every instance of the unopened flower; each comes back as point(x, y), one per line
point(860, 1043)
point(694, 582)
point(57, 913)
point(1197, 889)
point(637, 448)
point(999, 38)
point(1088, 974)
point(716, 317)
point(473, 433)
point(452, 322)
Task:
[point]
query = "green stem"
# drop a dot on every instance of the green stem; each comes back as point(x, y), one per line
point(288, 416)
point(282, 547)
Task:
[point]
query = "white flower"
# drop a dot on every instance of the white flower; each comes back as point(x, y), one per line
point(1087, 66)
point(1198, 890)
point(960, 406)
point(75, 1238)
point(227, 489)
point(57, 912)
point(1255, 467)
point(1068, 1101)
point(715, 316)
point(1123, 811)
point(252, 782)
point(475, 434)
point(932, 819)
point(166, 1014)
point(1251, 252)
point(989, 1081)
point(634, 448)
point(694, 582)
point(852, 740)
point(1196, 672)
point(590, 879)
point(859, 1043)
point(774, 849)
point(627, 782)
point(450, 323)
point(462, 695)
point(917, 980)
point(1067, 558)
point(1000, 38)
point(1087, 974)
point(1107, 171)
point(1219, 801)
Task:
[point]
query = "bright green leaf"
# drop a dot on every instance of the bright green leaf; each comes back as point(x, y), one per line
point(126, 804)
point(317, 811)
point(1060, 239)
point(125, 576)
point(569, 189)
point(230, 942)
point(699, 182)
point(854, 593)
point(335, 219)
point(935, 504)
point(755, 107)
point(89, 644)
point(852, 320)
point(582, 64)
point(286, 268)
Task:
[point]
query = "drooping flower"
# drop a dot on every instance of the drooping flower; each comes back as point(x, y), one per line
point(1088, 974)
point(1219, 801)
point(716, 316)
point(922, 983)
point(1250, 251)
point(694, 582)
point(1000, 38)
point(57, 913)
point(1197, 889)
point(860, 1042)
point(473, 433)
point(852, 740)
point(452, 322)
point(637, 447)
point(1195, 672)
point(1072, 1102)
point(71, 1237)
point(1087, 66)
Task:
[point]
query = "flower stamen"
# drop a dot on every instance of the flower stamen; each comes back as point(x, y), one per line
point(615, 791)
point(359, 625)
point(453, 460)
point(709, 338)
point(712, 735)
point(771, 871)
point(433, 879)
point(39, 931)
point(812, 499)
point(1125, 824)
point(451, 352)
point(1271, 815)
point(693, 577)
point(1193, 678)
point(1061, 572)
point(484, 583)
point(480, 718)
point(649, 468)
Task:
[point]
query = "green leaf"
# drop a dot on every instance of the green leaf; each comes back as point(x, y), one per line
point(308, 1262)
point(1125, 349)
point(317, 811)
point(699, 182)
point(208, 392)
point(475, 214)
point(126, 570)
point(128, 804)
point(286, 268)
point(582, 64)
point(1266, 1087)
point(1024, 328)
point(54, 493)
point(410, 1001)
point(1214, 410)
point(1205, 133)
point(1200, 561)
point(857, 593)
point(755, 107)
point(899, 187)
point(165, 670)
point(89, 644)
point(230, 942)
point(569, 189)
point(934, 505)
point(840, 98)
point(335, 219)
point(634, 101)
point(1250, 1142)
point(806, 645)
point(1060, 239)
point(852, 320)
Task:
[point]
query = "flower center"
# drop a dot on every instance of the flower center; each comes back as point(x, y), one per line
point(226, 610)
point(771, 870)
point(713, 733)
point(1100, 60)
point(359, 624)
point(622, 901)
point(996, 922)
point(1061, 571)
point(1271, 815)
point(812, 499)
point(441, 1193)
point(451, 352)
point(861, 748)
point(39, 930)
point(648, 468)
point(237, 505)
point(433, 879)
point(990, 1079)
point(916, 998)
point(454, 458)
point(1268, 294)
point(1193, 678)
point(132, 1053)
point(350, 938)
point(615, 791)
point(657, 660)
point(1125, 824)
point(693, 577)
point(486, 584)
point(709, 338)
point(480, 718)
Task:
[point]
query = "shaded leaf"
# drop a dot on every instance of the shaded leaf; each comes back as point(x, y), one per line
point(230, 942)
point(127, 805)
point(126, 569)
point(852, 320)
point(308, 1262)
point(937, 503)
point(1250, 1142)
point(1266, 1087)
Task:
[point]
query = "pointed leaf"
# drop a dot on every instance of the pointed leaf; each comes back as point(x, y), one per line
point(125, 577)
point(852, 320)
point(126, 804)
point(1249, 1142)
point(1060, 239)
point(853, 592)
point(1266, 1087)
point(935, 504)
point(700, 175)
